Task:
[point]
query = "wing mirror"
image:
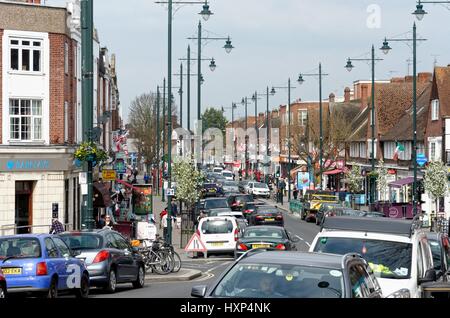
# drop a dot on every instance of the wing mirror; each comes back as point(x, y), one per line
point(198, 291)
point(430, 276)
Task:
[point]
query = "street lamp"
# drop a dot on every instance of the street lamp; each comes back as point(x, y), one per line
point(301, 81)
point(212, 65)
point(255, 99)
point(349, 68)
point(244, 102)
point(420, 12)
point(206, 13)
point(414, 154)
point(228, 46)
point(289, 130)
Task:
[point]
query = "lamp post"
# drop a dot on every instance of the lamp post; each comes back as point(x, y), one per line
point(289, 87)
point(233, 107)
point(158, 135)
point(301, 81)
point(244, 102)
point(386, 48)
point(420, 12)
point(87, 31)
point(349, 68)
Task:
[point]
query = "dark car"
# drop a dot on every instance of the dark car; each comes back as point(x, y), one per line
point(267, 215)
point(3, 289)
point(439, 243)
point(236, 201)
point(287, 274)
point(215, 203)
point(211, 190)
point(250, 207)
point(109, 258)
point(326, 207)
point(267, 237)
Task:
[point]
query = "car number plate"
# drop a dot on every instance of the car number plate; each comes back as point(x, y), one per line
point(260, 245)
point(12, 271)
point(217, 244)
point(270, 220)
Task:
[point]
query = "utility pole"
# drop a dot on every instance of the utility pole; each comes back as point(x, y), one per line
point(158, 135)
point(87, 32)
point(181, 95)
point(189, 89)
point(169, 132)
point(163, 195)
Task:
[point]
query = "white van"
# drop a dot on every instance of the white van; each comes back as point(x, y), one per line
point(217, 170)
point(228, 175)
point(397, 251)
point(219, 234)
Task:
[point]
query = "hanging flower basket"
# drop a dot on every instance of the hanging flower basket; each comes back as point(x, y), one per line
point(89, 152)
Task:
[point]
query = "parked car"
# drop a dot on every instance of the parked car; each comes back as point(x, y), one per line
point(236, 201)
point(439, 243)
point(109, 258)
point(287, 274)
point(211, 190)
point(258, 189)
point(219, 234)
point(230, 187)
point(397, 250)
point(243, 186)
point(324, 209)
point(3, 287)
point(267, 237)
point(267, 215)
point(228, 175)
point(41, 264)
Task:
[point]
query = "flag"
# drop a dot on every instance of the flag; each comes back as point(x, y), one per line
point(400, 148)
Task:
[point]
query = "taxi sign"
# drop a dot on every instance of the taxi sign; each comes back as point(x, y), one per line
point(195, 244)
point(109, 175)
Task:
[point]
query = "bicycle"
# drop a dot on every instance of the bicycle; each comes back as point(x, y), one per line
point(157, 258)
point(176, 258)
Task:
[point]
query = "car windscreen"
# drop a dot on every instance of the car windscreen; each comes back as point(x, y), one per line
point(258, 232)
point(264, 210)
point(265, 280)
point(227, 174)
point(216, 204)
point(386, 258)
point(217, 227)
point(230, 184)
point(19, 247)
point(244, 198)
point(209, 186)
point(260, 185)
point(83, 241)
point(436, 251)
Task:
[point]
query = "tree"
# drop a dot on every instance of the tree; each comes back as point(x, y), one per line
point(354, 181)
point(306, 140)
point(143, 124)
point(214, 118)
point(382, 183)
point(435, 181)
point(188, 181)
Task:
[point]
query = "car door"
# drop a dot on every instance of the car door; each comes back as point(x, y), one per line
point(359, 285)
point(118, 257)
point(128, 264)
point(56, 263)
point(72, 264)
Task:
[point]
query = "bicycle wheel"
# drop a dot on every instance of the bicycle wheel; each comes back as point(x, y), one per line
point(162, 263)
point(177, 262)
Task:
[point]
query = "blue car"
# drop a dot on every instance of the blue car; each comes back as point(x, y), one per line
point(42, 264)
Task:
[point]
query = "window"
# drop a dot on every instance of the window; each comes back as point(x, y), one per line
point(435, 109)
point(354, 150)
point(363, 150)
point(25, 119)
point(50, 246)
point(25, 55)
point(62, 246)
point(420, 147)
point(303, 118)
point(389, 150)
point(66, 121)
point(432, 151)
point(407, 154)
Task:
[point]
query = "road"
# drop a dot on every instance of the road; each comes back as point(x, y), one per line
point(211, 268)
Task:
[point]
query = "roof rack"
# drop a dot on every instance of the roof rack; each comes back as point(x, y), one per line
point(376, 225)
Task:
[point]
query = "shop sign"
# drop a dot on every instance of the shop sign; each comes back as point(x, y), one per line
point(109, 175)
point(30, 164)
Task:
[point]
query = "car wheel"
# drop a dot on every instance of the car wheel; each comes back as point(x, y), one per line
point(83, 291)
point(2, 292)
point(53, 290)
point(112, 282)
point(140, 279)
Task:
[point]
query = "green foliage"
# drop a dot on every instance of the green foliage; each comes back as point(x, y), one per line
point(214, 118)
point(435, 180)
point(188, 181)
point(355, 179)
point(89, 151)
point(382, 183)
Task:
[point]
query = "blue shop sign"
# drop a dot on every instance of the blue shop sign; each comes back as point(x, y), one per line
point(27, 165)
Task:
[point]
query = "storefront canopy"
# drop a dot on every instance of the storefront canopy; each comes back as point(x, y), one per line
point(403, 182)
point(333, 172)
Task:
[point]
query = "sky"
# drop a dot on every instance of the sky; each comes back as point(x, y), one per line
point(274, 40)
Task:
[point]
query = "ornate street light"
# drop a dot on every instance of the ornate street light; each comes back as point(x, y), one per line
point(385, 48)
point(212, 65)
point(228, 46)
point(206, 13)
point(300, 79)
point(349, 67)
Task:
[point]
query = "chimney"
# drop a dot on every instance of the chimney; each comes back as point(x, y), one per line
point(364, 95)
point(332, 98)
point(347, 95)
point(424, 77)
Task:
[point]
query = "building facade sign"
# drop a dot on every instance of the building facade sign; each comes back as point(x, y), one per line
point(30, 164)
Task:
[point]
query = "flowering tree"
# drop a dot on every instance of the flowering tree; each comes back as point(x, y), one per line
point(382, 183)
point(188, 181)
point(354, 179)
point(435, 181)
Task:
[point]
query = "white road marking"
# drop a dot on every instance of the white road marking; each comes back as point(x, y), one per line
point(309, 245)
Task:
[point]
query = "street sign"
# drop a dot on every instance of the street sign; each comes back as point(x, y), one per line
point(120, 166)
point(108, 175)
point(171, 192)
point(195, 244)
point(82, 177)
point(421, 159)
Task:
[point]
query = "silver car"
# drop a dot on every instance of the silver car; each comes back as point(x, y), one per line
point(231, 187)
point(109, 258)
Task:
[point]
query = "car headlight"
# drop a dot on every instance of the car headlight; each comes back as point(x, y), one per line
point(402, 293)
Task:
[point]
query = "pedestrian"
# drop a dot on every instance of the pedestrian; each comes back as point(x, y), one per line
point(161, 215)
point(101, 222)
point(57, 227)
point(295, 192)
point(109, 224)
point(146, 178)
point(165, 222)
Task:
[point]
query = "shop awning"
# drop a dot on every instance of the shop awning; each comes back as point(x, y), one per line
point(333, 172)
point(102, 197)
point(402, 182)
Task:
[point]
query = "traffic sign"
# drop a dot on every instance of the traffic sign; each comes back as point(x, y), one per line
point(195, 244)
point(108, 175)
point(171, 192)
point(421, 159)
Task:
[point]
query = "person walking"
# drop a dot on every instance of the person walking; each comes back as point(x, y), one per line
point(146, 178)
point(57, 227)
point(109, 224)
point(295, 193)
point(281, 188)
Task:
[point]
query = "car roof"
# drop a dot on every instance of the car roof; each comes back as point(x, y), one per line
point(271, 227)
point(217, 218)
point(294, 257)
point(365, 236)
point(267, 206)
point(41, 235)
point(214, 199)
